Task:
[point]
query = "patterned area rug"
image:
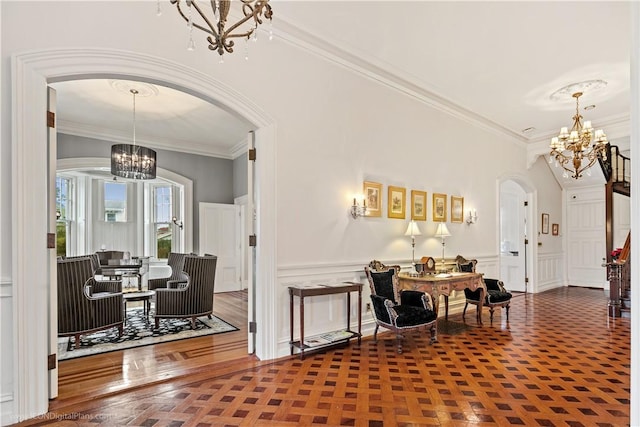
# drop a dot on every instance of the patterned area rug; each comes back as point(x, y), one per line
point(138, 332)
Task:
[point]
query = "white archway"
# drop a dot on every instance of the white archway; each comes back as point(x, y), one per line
point(31, 72)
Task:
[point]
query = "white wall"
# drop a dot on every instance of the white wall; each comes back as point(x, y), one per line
point(336, 128)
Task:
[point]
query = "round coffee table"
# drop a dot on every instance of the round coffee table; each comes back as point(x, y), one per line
point(144, 296)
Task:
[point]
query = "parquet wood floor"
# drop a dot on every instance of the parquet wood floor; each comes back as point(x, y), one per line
point(559, 361)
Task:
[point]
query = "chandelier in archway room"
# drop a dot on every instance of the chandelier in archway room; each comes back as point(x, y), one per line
point(578, 149)
point(214, 17)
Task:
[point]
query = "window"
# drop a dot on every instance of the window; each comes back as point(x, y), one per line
point(115, 202)
point(64, 214)
point(162, 219)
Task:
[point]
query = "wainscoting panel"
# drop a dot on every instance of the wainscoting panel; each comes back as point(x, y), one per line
point(549, 272)
point(6, 356)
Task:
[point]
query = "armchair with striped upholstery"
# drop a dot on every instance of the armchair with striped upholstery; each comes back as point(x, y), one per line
point(193, 300)
point(81, 310)
point(176, 262)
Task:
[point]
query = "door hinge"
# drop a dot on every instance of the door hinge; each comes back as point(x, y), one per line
point(253, 327)
point(526, 203)
point(51, 119)
point(526, 241)
point(252, 154)
point(51, 362)
point(253, 240)
point(51, 240)
point(526, 280)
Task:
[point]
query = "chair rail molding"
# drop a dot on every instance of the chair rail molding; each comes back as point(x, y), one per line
point(30, 73)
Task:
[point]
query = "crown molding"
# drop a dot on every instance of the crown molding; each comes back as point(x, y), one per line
point(388, 75)
point(105, 134)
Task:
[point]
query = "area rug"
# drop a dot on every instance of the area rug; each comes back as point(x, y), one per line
point(139, 331)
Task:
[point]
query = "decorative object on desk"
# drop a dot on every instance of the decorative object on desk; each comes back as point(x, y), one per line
point(457, 209)
point(545, 223)
point(418, 205)
point(220, 32)
point(131, 160)
point(439, 207)
point(138, 332)
point(359, 209)
point(473, 217)
point(429, 264)
point(373, 198)
point(177, 223)
point(615, 254)
point(413, 230)
point(397, 201)
point(554, 229)
point(442, 231)
point(582, 143)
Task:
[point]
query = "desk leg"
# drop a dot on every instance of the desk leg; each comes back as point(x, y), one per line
point(301, 328)
point(446, 307)
point(348, 311)
point(291, 321)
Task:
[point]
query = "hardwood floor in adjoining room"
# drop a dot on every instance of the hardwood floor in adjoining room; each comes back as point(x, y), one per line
point(559, 361)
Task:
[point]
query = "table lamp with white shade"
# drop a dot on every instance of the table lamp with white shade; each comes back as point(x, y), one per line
point(442, 231)
point(413, 230)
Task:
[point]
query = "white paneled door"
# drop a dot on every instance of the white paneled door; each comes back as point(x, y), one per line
point(219, 236)
point(512, 236)
point(586, 248)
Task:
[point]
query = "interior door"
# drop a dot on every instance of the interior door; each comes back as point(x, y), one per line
point(512, 236)
point(218, 236)
point(53, 277)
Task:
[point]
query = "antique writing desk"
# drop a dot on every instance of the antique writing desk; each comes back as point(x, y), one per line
point(436, 286)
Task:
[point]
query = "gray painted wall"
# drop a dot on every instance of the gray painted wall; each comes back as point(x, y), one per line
point(240, 175)
point(215, 180)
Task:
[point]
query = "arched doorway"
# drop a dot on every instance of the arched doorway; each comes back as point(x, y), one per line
point(32, 217)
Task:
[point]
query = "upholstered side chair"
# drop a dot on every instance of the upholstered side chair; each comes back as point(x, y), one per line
point(496, 295)
point(176, 278)
point(398, 310)
point(193, 300)
point(82, 308)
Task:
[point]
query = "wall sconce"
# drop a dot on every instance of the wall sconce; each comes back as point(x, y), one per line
point(358, 210)
point(473, 216)
point(176, 222)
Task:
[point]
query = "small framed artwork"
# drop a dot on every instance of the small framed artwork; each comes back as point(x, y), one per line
point(545, 223)
point(396, 200)
point(418, 205)
point(554, 229)
point(457, 209)
point(439, 207)
point(373, 195)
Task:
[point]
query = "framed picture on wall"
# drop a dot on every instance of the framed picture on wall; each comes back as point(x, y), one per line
point(418, 205)
point(396, 200)
point(457, 209)
point(439, 207)
point(545, 223)
point(373, 195)
point(554, 229)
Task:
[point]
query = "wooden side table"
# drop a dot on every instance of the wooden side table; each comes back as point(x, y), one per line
point(328, 339)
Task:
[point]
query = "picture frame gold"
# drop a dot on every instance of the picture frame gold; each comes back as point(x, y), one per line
point(396, 200)
point(439, 207)
point(373, 195)
point(545, 223)
point(457, 209)
point(418, 205)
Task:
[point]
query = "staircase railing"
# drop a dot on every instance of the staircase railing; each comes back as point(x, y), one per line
point(619, 274)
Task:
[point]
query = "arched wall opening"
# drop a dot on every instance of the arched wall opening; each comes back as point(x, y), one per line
point(31, 219)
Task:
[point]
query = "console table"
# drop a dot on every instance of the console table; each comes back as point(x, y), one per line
point(331, 338)
point(436, 286)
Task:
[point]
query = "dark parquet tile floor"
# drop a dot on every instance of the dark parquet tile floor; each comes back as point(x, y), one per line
point(559, 361)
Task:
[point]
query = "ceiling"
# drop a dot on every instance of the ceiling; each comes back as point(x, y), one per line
point(496, 62)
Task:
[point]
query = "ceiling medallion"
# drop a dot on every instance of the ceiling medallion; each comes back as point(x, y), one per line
point(564, 92)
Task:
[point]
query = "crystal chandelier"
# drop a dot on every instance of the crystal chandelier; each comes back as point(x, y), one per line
point(221, 33)
point(577, 150)
point(131, 160)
